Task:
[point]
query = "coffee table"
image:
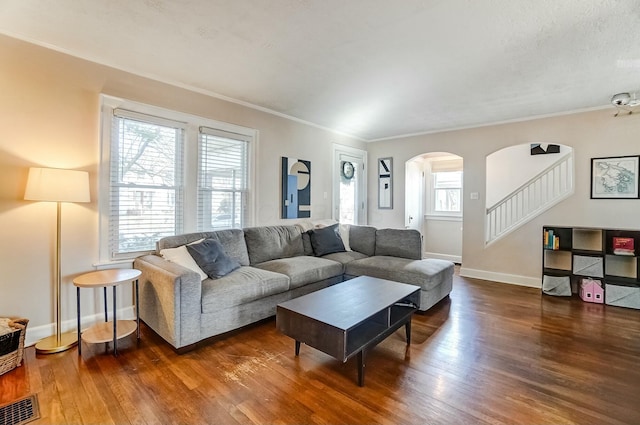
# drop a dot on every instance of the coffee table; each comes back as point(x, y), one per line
point(349, 318)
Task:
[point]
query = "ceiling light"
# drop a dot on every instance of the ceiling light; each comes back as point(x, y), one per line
point(624, 101)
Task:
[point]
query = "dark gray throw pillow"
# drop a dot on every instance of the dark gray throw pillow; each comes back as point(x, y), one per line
point(326, 240)
point(210, 256)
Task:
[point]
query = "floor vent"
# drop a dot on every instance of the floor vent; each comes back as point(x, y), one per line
point(20, 412)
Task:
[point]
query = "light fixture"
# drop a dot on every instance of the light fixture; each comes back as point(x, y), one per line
point(624, 102)
point(56, 185)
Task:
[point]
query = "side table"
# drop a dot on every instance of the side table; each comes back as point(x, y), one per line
point(114, 329)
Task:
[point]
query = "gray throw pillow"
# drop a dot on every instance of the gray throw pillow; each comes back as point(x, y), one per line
point(326, 240)
point(210, 256)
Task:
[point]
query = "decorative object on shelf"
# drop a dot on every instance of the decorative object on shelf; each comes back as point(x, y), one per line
point(57, 185)
point(385, 183)
point(296, 188)
point(615, 177)
point(347, 170)
point(591, 291)
point(623, 246)
point(626, 102)
point(544, 148)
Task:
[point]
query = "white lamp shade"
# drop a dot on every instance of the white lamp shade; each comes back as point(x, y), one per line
point(52, 184)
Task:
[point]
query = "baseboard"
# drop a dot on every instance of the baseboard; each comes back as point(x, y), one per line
point(502, 277)
point(453, 258)
point(36, 333)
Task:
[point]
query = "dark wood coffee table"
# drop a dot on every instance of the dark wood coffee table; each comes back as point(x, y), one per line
point(349, 318)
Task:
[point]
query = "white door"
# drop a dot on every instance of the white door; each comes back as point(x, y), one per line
point(349, 185)
point(414, 191)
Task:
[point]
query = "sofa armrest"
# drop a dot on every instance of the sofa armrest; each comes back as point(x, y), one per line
point(170, 299)
point(403, 243)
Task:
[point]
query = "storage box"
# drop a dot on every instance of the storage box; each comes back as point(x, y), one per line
point(588, 266)
point(12, 335)
point(591, 291)
point(559, 286)
point(622, 296)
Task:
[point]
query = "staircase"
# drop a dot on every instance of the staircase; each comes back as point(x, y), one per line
point(532, 198)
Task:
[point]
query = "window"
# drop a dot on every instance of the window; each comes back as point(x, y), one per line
point(445, 183)
point(145, 182)
point(222, 179)
point(169, 173)
point(447, 188)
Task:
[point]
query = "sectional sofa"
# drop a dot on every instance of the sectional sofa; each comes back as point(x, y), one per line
point(264, 266)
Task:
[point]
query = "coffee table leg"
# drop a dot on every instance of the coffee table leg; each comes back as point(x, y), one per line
point(361, 368)
point(297, 348)
point(407, 328)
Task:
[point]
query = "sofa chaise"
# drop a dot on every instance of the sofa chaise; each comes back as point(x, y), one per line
point(272, 264)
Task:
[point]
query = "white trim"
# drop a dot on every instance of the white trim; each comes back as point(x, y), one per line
point(512, 279)
point(453, 258)
point(36, 333)
point(440, 217)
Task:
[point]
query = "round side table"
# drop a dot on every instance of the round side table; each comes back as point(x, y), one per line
point(114, 329)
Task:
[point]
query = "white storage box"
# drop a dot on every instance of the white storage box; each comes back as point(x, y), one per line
point(559, 286)
point(622, 296)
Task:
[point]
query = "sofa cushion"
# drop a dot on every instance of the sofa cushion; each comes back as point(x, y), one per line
point(404, 243)
point(326, 240)
point(427, 273)
point(345, 257)
point(363, 239)
point(231, 239)
point(212, 259)
point(241, 286)
point(272, 242)
point(303, 269)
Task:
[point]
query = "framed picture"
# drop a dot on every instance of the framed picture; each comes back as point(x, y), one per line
point(385, 183)
point(615, 177)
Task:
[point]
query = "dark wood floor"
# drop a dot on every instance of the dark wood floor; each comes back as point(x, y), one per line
point(492, 354)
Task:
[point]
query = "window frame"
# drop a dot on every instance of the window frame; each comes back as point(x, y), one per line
point(190, 164)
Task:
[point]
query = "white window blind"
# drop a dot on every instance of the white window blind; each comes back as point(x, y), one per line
point(145, 202)
point(223, 176)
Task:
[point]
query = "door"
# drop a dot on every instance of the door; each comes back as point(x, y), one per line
point(349, 185)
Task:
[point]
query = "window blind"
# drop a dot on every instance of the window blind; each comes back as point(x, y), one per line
point(146, 200)
point(223, 176)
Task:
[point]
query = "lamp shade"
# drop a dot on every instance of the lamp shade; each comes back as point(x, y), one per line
point(53, 184)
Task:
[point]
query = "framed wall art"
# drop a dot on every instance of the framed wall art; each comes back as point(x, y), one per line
point(296, 188)
point(385, 183)
point(615, 177)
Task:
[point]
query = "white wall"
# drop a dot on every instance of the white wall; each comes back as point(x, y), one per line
point(517, 257)
point(511, 167)
point(50, 117)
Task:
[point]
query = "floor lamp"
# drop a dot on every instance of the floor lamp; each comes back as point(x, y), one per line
point(56, 185)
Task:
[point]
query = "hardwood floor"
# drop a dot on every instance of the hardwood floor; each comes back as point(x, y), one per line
point(492, 354)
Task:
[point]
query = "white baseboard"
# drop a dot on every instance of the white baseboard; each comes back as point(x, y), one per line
point(36, 333)
point(512, 279)
point(453, 258)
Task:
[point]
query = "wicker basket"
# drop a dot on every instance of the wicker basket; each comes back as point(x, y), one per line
point(12, 345)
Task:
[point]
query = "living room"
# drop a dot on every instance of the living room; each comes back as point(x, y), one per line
point(51, 117)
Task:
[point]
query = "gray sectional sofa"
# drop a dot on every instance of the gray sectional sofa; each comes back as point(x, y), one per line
point(274, 264)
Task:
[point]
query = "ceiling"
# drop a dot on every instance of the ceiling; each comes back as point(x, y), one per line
point(374, 69)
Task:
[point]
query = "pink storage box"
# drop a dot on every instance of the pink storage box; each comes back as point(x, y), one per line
point(591, 291)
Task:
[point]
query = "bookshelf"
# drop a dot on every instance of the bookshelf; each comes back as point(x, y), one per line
point(573, 255)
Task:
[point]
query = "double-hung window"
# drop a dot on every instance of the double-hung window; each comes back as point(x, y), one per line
point(165, 173)
point(446, 188)
point(222, 179)
point(145, 193)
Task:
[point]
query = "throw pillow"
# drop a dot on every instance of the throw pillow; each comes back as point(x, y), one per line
point(210, 256)
point(181, 256)
point(344, 235)
point(326, 240)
